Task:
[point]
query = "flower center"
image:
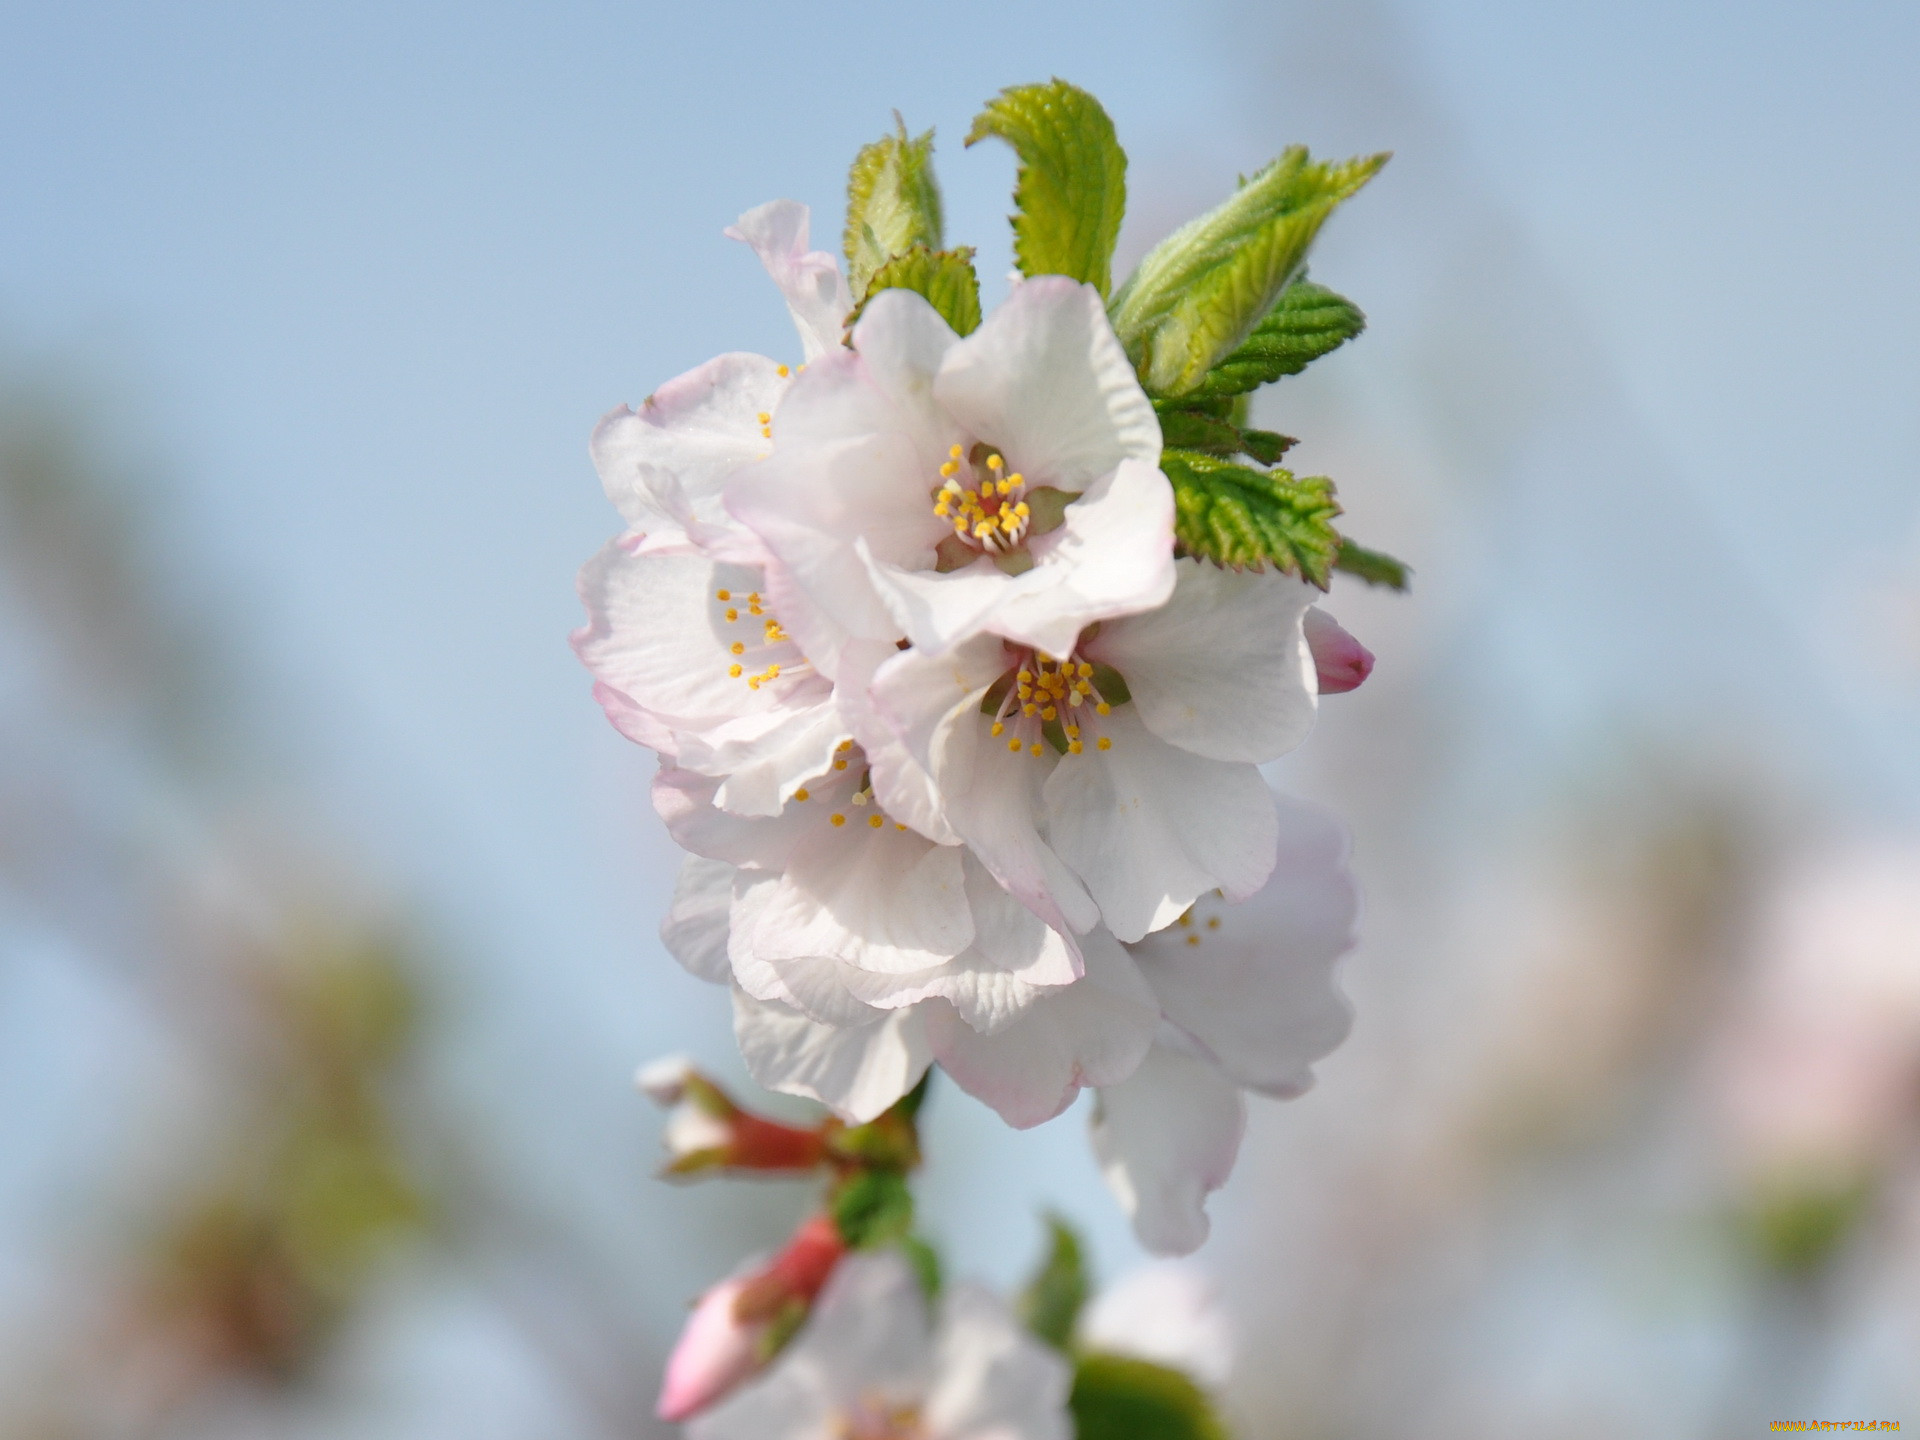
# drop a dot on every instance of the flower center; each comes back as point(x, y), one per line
point(759, 651)
point(874, 1418)
point(849, 802)
point(986, 505)
point(1043, 702)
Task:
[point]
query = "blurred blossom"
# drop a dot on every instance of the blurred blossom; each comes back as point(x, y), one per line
point(1168, 1312)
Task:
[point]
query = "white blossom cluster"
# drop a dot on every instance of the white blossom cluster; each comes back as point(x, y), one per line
point(964, 757)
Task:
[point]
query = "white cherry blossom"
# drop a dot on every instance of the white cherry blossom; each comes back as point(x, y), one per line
point(871, 1364)
point(1114, 781)
point(1250, 1002)
point(938, 487)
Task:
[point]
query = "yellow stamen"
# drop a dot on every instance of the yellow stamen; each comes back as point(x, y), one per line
point(732, 614)
point(838, 820)
point(733, 671)
point(803, 793)
point(782, 371)
point(1105, 743)
point(1034, 749)
point(723, 594)
point(1014, 744)
point(737, 648)
point(875, 821)
point(998, 728)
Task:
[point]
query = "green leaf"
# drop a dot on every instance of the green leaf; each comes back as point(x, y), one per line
point(893, 203)
point(1203, 289)
point(926, 1264)
point(1376, 567)
point(1193, 430)
point(1071, 189)
point(944, 277)
point(1116, 1397)
point(874, 1207)
point(1050, 1305)
point(1266, 446)
point(1309, 321)
point(1240, 517)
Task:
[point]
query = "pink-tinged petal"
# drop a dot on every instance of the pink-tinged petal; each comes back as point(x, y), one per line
point(810, 984)
point(985, 996)
point(695, 930)
point(637, 724)
point(1253, 983)
point(1151, 827)
point(684, 800)
point(901, 340)
point(1166, 1138)
point(715, 1353)
point(1092, 1032)
point(815, 291)
point(1044, 379)
point(992, 795)
point(1341, 663)
point(767, 760)
point(992, 1379)
point(1113, 555)
point(857, 1071)
point(663, 464)
point(1010, 936)
point(1222, 668)
point(876, 897)
point(901, 784)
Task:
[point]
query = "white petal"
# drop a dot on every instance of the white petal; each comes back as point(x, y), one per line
point(663, 463)
point(810, 984)
point(1254, 982)
point(815, 290)
point(869, 1329)
point(1222, 669)
point(766, 764)
point(993, 1380)
point(1044, 379)
point(902, 339)
point(1168, 1312)
point(901, 784)
point(695, 930)
point(1166, 1139)
point(1010, 936)
point(878, 898)
point(1092, 1032)
point(855, 1070)
point(1150, 827)
point(685, 801)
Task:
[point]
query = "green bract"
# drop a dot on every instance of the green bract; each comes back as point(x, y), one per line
point(1072, 186)
point(893, 204)
point(1201, 291)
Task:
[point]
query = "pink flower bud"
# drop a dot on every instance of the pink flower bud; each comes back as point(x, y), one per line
point(706, 1131)
point(738, 1324)
point(1343, 662)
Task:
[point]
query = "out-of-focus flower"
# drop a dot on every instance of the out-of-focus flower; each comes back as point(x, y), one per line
point(1341, 662)
point(869, 1365)
point(1167, 1312)
point(707, 1131)
point(1819, 1072)
point(1113, 781)
point(737, 1326)
point(942, 487)
point(1250, 1001)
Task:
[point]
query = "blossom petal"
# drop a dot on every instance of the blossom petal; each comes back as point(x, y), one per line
point(901, 784)
point(992, 1379)
point(1150, 827)
point(684, 800)
point(695, 930)
point(810, 984)
point(1222, 669)
point(1045, 379)
point(1168, 1312)
point(1093, 1032)
point(1166, 1138)
point(663, 464)
point(815, 290)
point(1254, 982)
point(857, 1071)
point(902, 341)
point(766, 764)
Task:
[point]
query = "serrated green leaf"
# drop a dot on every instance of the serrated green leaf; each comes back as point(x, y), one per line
point(1202, 290)
point(893, 203)
point(874, 1207)
point(1244, 518)
point(1071, 189)
point(1116, 1397)
point(944, 277)
point(1376, 567)
point(1050, 1304)
point(1266, 446)
point(1308, 321)
point(1193, 430)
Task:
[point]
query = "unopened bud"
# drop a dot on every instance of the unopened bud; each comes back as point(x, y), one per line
point(1341, 661)
point(707, 1131)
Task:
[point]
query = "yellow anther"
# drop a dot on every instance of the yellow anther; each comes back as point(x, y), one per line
point(1073, 732)
point(803, 793)
point(956, 452)
point(723, 594)
point(1034, 749)
point(1014, 744)
point(843, 746)
point(1105, 743)
point(737, 648)
point(1104, 708)
point(1073, 747)
point(839, 764)
point(1016, 479)
point(753, 597)
point(732, 614)
point(1029, 710)
point(782, 371)
point(1193, 939)
point(1049, 713)
point(1026, 677)
point(995, 463)
point(753, 682)
point(998, 728)
point(838, 819)
point(950, 468)
point(1213, 922)
point(765, 418)
point(876, 821)
point(898, 826)
point(1186, 918)
point(1085, 668)
point(1022, 509)
point(773, 672)
point(734, 671)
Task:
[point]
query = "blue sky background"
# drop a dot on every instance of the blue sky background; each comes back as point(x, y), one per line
point(347, 285)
